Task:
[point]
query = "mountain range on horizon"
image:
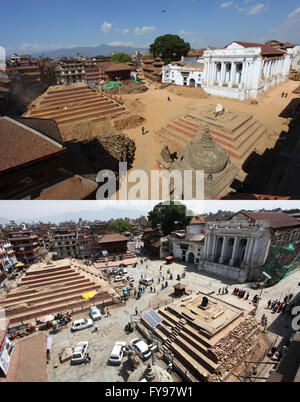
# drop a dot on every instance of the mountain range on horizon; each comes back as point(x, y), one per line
point(101, 215)
point(88, 51)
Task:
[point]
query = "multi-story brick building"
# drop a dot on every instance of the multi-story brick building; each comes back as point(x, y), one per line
point(26, 246)
point(28, 70)
point(66, 244)
point(70, 71)
point(8, 258)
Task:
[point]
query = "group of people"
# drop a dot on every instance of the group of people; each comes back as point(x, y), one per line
point(278, 306)
point(223, 291)
point(284, 95)
point(241, 293)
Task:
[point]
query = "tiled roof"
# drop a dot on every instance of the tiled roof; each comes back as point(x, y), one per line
point(23, 141)
point(112, 237)
point(117, 67)
point(277, 219)
point(265, 49)
point(196, 220)
point(195, 52)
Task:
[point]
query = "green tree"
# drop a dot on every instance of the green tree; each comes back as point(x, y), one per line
point(119, 226)
point(169, 48)
point(120, 58)
point(170, 216)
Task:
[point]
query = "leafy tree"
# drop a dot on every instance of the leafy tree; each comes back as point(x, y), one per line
point(170, 216)
point(119, 226)
point(169, 48)
point(120, 58)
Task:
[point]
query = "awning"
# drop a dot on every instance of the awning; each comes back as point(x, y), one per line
point(20, 264)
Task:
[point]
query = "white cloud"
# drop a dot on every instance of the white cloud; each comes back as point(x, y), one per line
point(120, 43)
point(226, 4)
point(106, 27)
point(257, 9)
point(182, 32)
point(295, 13)
point(125, 31)
point(37, 47)
point(144, 30)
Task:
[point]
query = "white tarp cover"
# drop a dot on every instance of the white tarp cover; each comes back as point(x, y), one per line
point(6, 354)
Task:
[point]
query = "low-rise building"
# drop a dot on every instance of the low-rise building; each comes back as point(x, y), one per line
point(66, 244)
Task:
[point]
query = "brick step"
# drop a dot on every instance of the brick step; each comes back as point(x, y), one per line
point(172, 136)
point(189, 362)
point(54, 98)
point(237, 139)
point(69, 101)
point(59, 294)
point(197, 354)
point(171, 318)
point(45, 111)
point(60, 307)
point(42, 305)
point(50, 275)
point(89, 116)
point(49, 280)
point(105, 118)
point(180, 131)
point(58, 91)
point(66, 94)
point(55, 269)
point(79, 279)
point(36, 293)
point(78, 110)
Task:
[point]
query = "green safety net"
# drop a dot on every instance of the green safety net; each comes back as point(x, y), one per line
point(110, 85)
point(136, 82)
point(282, 262)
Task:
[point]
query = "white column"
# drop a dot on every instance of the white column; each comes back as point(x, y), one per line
point(207, 246)
point(234, 251)
point(233, 73)
point(213, 250)
point(221, 81)
point(223, 252)
point(247, 252)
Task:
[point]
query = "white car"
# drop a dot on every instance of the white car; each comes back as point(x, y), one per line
point(118, 278)
point(81, 324)
point(95, 313)
point(116, 355)
point(130, 278)
point(80, 352)
point(141, 348)
point(124, 270)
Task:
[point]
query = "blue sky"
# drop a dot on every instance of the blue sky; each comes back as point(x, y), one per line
point(35, 25)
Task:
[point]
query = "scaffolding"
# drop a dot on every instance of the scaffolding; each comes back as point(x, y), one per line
point(282, 262)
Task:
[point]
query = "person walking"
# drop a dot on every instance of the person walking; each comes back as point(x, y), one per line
point(95, 327)
point(143, 130)
point(136, 311)
point(108, 313)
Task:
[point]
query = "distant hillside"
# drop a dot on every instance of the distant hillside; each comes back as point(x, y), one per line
point(102, 50)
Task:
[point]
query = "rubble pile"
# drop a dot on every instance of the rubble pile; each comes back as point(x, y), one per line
point(107, 152)
point(231, 349)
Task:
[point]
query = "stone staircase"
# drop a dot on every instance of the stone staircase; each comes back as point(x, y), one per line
point(77, 104)
point(237, 143)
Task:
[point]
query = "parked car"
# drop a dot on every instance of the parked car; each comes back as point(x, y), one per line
point(145, 281)
point(118, 278)
point(141, 348)
point(130, 278)
point(80, 352)
point(116, 355)
point(124, 270)
point(81, 324)
point(95, 313)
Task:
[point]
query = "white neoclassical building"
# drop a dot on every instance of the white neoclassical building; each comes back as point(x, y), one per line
point(235, 248)
point(185, 73)
point(244, 70)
